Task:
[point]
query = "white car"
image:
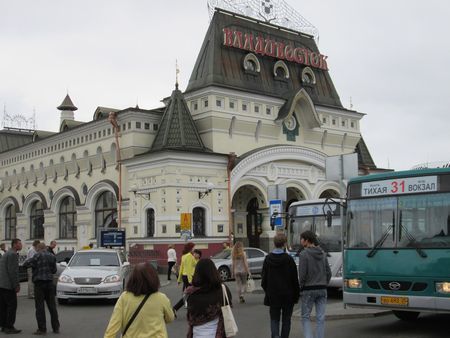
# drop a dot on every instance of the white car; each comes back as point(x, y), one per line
point(98, 273)
point(255, 260)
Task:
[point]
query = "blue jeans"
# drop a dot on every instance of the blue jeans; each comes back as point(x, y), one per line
point(275, 312)
point(309, 299)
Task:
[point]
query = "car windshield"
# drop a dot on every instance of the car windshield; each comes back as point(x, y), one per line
point(95, 259)
point(225, 254)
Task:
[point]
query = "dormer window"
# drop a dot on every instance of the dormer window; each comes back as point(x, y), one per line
point(280, 70)
point(251, 64)
point(308, 77)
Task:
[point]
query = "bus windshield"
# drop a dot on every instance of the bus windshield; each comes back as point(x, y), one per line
point(415, 221)
point(312, 217)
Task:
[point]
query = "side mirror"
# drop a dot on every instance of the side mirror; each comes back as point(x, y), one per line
point(126, 264)
point(63, 263)
point(329, 218)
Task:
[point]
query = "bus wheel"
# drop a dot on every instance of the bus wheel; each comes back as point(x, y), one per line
point(408, 316)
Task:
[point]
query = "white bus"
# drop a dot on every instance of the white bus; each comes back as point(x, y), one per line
point(311, 215)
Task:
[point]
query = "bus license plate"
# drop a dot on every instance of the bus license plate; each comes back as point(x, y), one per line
point(398, 301)
point(87, 290)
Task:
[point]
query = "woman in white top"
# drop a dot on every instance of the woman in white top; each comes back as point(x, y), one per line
point(171, 260)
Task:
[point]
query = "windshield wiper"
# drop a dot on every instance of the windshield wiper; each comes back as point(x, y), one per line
point(380, 242)
point(412, 240)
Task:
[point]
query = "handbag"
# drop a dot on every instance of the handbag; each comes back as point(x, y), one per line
point(250, 284)
point(231, 328)
point(135, 314)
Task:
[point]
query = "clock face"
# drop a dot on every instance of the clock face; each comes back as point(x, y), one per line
point(290, 123)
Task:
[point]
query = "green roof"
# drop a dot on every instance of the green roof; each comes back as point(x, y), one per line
point(399, 174)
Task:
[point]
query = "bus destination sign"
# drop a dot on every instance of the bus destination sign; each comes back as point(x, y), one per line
point(406, 185)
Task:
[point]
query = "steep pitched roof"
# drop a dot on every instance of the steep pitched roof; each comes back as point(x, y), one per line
point(222, 65)
point(67, 104)
point(13, 138)
point(364, 157)
point(177, 130)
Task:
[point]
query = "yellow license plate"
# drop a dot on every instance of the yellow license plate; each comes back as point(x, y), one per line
point(399, 301)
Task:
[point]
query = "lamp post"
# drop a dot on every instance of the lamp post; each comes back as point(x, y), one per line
point(112, 118)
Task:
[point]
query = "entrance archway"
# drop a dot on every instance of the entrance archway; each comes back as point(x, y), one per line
point(329, 193)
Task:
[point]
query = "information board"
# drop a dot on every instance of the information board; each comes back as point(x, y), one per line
point(112, 238)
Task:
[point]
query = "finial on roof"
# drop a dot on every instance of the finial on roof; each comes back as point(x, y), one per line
point(177, 71)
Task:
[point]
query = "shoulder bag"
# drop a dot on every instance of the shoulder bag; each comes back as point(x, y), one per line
point(135, 314)
point(231, 328)
point(250, 284)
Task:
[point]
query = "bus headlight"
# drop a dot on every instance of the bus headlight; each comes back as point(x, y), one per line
point(353, 283)
point(443, 287)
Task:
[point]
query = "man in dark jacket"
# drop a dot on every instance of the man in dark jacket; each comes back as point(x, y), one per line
point(43, 264)
point(280, 283)
point(9, 287)
point(314, 274)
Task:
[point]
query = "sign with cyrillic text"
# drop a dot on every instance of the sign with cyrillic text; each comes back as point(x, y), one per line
point(408, 185)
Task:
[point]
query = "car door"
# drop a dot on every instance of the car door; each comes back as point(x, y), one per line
point(255, 259)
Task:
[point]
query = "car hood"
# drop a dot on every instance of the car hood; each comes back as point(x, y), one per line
point(94, 271)
point(221, 261)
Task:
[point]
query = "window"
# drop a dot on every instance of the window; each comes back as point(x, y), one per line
point(37, 221)
point(205, 103)
point(129, 125)
point(67, 218)
point(244, 107)
point(343, 123)
point(268, 111)
point(232, 104)
point(155, 127)
point(105, 211)
point(352, 124)
point(146, 126)
point(138, 125)
point(219, 103)
point(150, 222)
point(256, 109)
point(10, 222)
point(324, 119)
point(333, 122)
point(198, 224)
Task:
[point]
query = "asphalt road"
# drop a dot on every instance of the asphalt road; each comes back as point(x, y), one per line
point(90, 318)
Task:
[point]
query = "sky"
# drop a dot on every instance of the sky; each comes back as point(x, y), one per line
point(388, 59)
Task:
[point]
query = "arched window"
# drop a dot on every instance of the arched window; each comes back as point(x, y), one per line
point(37, 221)
point(10, 222)
point(67, 218)
point(105, 211)
point(198, 222)
point(150, 222)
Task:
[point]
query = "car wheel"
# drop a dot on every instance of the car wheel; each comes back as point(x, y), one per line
point(62, 301)
point(224, 273)
point(407, 316)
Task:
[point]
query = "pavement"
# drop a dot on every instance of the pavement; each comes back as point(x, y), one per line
point(335, 308)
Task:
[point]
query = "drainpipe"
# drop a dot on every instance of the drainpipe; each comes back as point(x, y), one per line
point(112, 118)
point(231, 161)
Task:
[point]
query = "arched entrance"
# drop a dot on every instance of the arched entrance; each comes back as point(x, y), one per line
point(254, 229)
point(329, 193)
point(293, 195)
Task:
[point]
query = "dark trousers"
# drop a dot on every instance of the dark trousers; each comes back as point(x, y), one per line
point(8, 308)
point(276, 312)
point(44, 292)
point(169, 272)
point(180, 303)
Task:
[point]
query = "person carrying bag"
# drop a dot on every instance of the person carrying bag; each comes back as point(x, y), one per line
point(229, 322)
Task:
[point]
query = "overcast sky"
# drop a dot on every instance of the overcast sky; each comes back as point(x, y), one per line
point(390, 57)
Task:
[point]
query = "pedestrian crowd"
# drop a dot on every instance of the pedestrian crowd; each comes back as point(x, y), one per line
point(143, 311)
point(41, 268)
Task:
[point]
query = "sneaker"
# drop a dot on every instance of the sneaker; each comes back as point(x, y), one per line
point(11, 330)
point(40, 333)
point(175, 312)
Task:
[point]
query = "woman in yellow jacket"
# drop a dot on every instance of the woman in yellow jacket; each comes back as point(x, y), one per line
point(154, 314)
point(187, 267)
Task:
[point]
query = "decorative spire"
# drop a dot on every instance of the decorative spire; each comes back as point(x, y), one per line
point(67, 104)
point(177, 71)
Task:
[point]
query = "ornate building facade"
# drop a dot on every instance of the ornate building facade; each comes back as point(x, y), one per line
point(260, 110)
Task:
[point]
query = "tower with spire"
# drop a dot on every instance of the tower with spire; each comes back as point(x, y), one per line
point(67, 109)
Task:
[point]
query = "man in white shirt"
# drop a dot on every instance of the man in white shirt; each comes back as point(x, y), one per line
point(2, 249)
point(31, 252)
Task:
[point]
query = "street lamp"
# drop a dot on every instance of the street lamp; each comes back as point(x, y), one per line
point(209, 188)
point(144, 194)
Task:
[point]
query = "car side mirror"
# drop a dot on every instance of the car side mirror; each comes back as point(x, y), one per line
point(126, 264)
point(63, 264)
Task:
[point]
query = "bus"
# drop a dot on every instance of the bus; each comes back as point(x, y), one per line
point(312, 215)
point(397, 242)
